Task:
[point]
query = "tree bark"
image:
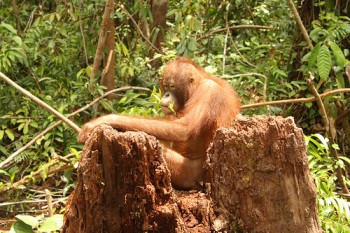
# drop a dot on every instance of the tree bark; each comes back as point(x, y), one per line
point(257, 180)
point(109, 7)
point(159, 11)
point(108, 77)
point(259, 177)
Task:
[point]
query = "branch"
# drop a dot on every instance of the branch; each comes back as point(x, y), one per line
point(138, 29)
point(258, 75)
point(107, 67)
point(40, 102)
point(36, 175)
point(31, 201)
point(101, 40)
point(69, 115)
point(325, 119)
point(239, 52)
point(300, 24)
point(234, 28)
point(299, 100)
point(82, 34)
point(319, 102)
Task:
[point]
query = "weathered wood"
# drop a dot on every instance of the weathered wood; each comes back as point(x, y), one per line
point(257, 180)
point(259, 177)
point(124, 186)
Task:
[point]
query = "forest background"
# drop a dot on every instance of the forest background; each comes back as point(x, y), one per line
point(66, 54)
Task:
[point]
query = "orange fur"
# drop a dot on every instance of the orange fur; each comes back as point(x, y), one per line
point(204, 103)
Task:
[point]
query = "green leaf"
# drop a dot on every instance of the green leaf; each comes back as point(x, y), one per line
point(308, 105)
point(3, 172)
point(44, 172)
point(323, 140)
point(123, 71)
point(324, 187)
point(75, 152)
point(27, 219)
point(336, 146)
point(88, 70)
point(51, 44)
point(192, 44)
point(181, 48)
point(81, 72)
point(318, 34)
point(9, 27)
point(1, 134)
point(34, 124)
point(47, 144)
point(324, 62)
point(18, 40)
point(345, 159)
point(124, 49)
point(130, 71)
point(313, 56)
point(52, 223)
point(340, 80)
point(338, 54)
point(25, 129)
point(20, 127)
point(10, 134)
point(21, 227)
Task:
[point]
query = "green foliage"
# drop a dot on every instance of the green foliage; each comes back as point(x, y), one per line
point(327, 62)
point(49, 46)
point(136, 104)
point(13, 50)
point(324, 62)
point(334, 211)
point(28, 224)
point(328, 31)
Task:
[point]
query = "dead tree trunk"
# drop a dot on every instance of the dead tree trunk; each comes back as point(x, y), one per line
point(257, 180)
point(259, 177)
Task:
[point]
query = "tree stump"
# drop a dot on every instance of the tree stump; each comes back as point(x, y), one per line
point(257, 180)
point(259, 177)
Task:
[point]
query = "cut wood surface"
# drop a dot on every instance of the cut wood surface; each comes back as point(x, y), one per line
point(257, 180)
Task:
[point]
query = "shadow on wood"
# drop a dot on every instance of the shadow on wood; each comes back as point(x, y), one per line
point(257, 180)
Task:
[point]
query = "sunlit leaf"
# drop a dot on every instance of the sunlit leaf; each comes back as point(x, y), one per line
point(192, 44)
point(338, 54)
point(1, 134)
point(88, 70)
point(10, 134)
point(324, 62)
point(335, 146)
point(324, 187)
point(313, 56)
point(21, 227)
point(346, 159)
point(9, 27)
point(52, 223)
point(27, 219)
point(18, 40)
point(2, 172)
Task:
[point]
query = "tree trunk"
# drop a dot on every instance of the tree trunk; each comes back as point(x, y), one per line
point(108, 77)
point(109, 7)
point(159, 11)
point(259, 177)
point(257, 180)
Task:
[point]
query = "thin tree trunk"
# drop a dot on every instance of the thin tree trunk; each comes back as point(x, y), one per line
point(102, 39)
point(108, 79)
point(159, 11)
